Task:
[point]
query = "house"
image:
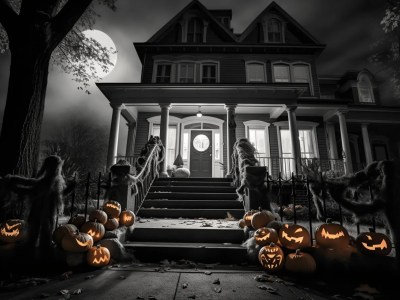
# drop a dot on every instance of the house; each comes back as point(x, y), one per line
point(203, 87)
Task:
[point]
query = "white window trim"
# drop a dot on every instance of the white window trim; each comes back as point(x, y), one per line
point(291, 65)
point(205, 63)
point(178, 68)
point(371, 88)
point(249, 62)
point(265, 22)
point(301, 125)
point(163, 62)
point(257, 124)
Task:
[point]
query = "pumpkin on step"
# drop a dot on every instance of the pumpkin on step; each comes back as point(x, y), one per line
point(98, 256)
point(293, 236)
point(300, 262)
point(77, 220)
point(77, 242)
point(99, 216)
point(261, 218)
point(112, 208)
point(94, 229)
point(271, 257)
point(12, 230)
point(127, 218)
point(248, 216)
point(241, 223)
point(61, 231)
point(265, 236)
point(111, 224)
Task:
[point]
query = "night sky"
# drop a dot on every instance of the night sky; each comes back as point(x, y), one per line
point(349, 28)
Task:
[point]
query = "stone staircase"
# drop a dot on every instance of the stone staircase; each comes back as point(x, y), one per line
point(189, 218)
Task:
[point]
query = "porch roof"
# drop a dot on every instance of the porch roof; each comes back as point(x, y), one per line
point(138, 93)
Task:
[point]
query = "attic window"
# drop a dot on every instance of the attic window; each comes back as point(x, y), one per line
point(274, 31)
point(365, 91)
point(195, 31)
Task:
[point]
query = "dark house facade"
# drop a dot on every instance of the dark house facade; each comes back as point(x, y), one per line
point(203, 87)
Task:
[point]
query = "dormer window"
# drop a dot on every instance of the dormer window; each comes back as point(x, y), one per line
point(195, 31)
point(365, 91)
point(275, 31)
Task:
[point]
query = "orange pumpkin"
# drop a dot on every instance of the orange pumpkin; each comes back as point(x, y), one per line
point(98, 256)
point(112, 208)
point(331, 235)
point(241, 223)
point(77, 242)
point(293, 236)
point(265, 236)
point(77, 220)
point(300, 262)
point(374, 243)
point(271, 257)
point(99, 216)
point(261, 219)
point(94, 229)
point(111, 224)
point(12, 230)
point(127, 218)
point(248, 216)
point(62, 230)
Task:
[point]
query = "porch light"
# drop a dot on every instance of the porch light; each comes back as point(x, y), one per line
point(199, 113)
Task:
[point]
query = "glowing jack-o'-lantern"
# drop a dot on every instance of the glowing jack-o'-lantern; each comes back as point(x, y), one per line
point(127, 218)
point(111, 224)
point(12, 230)
point(77, 242)
point(112, 208)
point(374, 243)
point(300, 262)
point(98, 256)
point(94, 229)
point(265, 236)
point(62, 230)
point(271, 257)
point(293, 236)
point(261, 219)
point(99, 216)
point(331, 235)
point(248, 216)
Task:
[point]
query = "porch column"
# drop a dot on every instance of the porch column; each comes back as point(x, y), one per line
point(230, 136)
point(345, 142)
point(367, 144)
point(130, 143)
point(330, 130)
point(114, 132)
point(294, 137)
point(164, 124)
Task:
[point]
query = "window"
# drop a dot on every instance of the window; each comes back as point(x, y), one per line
point(301, 73)
point(185, 148)
point(281, 73)
point(195, 31)
point(163, 74)
point(257, 139)
point(186, 73)
point(365, 91)
point(217, 147)
point(209, 73)
point(255, 72)
point(274, 31)
point(172, 130)
point(306, 143)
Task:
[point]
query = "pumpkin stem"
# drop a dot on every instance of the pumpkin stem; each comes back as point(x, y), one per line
point(272, 245)
point(328, 221)
point(298, 251)
point(372, 230)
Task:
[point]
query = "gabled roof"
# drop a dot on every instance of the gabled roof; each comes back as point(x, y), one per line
point(202, 8)
point(283, 14)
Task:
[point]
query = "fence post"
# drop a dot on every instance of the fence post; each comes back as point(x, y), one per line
point(87, 194)
point(373, 217)
point(294, 199)
point(98, 190)
point(323, 198)
point(280, 196)
point(73, 195)
point(309, 208)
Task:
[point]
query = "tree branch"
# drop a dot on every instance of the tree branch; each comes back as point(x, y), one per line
point(8, 17)
point(67, 18)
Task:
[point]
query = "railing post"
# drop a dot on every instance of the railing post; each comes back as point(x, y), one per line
point(294, 199)
point(87, 193)
point(280, 196)
point(309, 207)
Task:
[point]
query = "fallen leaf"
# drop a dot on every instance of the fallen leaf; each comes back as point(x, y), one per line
point(268, 288)
point(216, 281)
point(63, 292)
point(192, 297)
point(184, 285)
point(207, 272)
point(263, 278)
point(77, 292)
point(218, 290)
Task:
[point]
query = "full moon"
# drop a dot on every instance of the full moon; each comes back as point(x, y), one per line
point(107, 42)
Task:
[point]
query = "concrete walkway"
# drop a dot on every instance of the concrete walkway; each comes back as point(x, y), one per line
point(151, 282)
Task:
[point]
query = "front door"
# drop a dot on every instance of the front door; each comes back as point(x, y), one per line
point(201, 153)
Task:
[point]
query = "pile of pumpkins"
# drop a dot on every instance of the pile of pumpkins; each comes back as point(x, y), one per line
point(79, 235)
point(289, 246)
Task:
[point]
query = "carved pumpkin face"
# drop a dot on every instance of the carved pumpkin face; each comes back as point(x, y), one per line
point(374, 243)
point(332, 235)
point(112, 208)
point(271, 257)
point(98, 256)
point(293, 236)
point(77, 242)
point(94, 229)
point(248, 216)
point(300, 262)
point(111, 224)
point(127, 218)
point(265, 236)
point(12, 231)
point(261, 219)
point(99, 216)
point(62, 230)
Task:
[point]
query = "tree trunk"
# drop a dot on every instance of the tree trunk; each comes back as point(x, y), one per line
point(23, 115)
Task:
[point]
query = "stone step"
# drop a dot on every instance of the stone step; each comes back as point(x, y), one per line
point(192, 189)
point(189, 213)
point(210, 179)
point(191, 196)
point(197, 252)
point(187, 235)
point(194, 204)
point(191, 183)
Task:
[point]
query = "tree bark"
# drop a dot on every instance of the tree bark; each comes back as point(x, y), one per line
point(23, 115)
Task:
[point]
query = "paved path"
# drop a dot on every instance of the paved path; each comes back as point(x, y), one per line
point(144, 282)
